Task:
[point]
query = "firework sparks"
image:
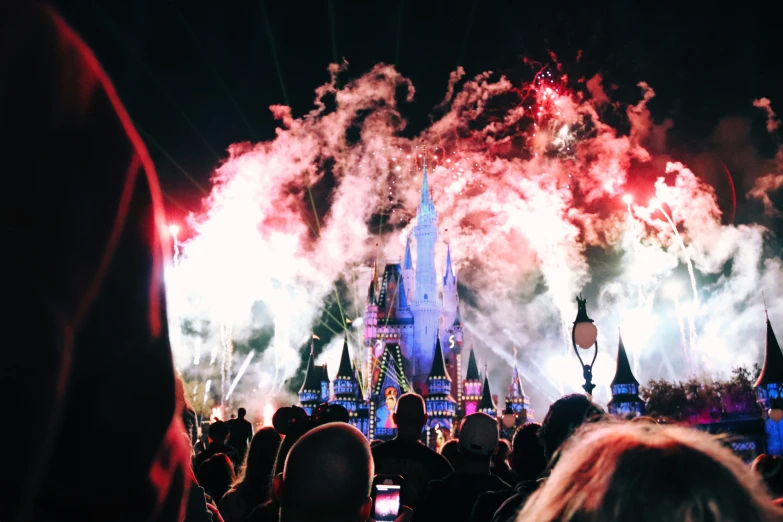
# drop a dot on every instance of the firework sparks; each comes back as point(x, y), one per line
point(526, 179)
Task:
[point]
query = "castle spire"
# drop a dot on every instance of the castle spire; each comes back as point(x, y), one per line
point(312, 380)
point(425, 187)
point(473, 372)
point(345, 371)
point(487, 404)
point(623, 374)
point(449, 275)
point(438, 364)
point(408, 264)
point(371, 292)
point(515, 389)
point(772, 371)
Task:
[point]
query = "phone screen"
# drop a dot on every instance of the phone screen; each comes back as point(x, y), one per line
point(387, 502)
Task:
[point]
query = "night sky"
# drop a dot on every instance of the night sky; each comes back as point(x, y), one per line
point(197, 76)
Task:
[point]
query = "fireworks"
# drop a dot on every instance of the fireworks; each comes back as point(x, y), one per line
point(527, 180)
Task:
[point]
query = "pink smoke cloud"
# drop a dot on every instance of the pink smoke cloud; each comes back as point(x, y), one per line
point(527, 181)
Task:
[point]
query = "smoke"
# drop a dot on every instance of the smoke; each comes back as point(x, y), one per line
point(528, 181)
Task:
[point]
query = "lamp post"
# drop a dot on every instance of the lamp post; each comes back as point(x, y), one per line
point(584, 335)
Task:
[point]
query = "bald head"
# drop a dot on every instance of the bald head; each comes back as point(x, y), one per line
point(327, 476)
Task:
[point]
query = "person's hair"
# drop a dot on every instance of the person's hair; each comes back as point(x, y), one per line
point(218, 431)
point(327, 475)
point(564, 416)
point(622, 471)
point(450, 451)
point(770, 469)
point(255, 479)
point(241, 412)
point(215, 475)
point(181, 394)
point(527, 453)
point(411, 410)
point(502, 452)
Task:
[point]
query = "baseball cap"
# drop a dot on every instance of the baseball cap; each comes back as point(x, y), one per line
point(478, 433)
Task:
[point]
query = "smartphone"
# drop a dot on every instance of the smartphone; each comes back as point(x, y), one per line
point(386, 491)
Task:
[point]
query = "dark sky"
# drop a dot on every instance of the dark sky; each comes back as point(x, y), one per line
point(199, 75)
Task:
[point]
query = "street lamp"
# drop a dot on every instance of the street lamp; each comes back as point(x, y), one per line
point(584, 335)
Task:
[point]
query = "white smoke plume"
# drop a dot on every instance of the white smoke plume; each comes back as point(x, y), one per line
point(528, 181)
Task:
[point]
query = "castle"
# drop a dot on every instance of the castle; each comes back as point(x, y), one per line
point(413, 339)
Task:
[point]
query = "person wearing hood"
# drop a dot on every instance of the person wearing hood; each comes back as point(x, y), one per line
point(85, 245)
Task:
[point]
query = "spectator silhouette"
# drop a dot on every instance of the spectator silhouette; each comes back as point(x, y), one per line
point(327, 477)
point(89, 311)
point(189, 418)
point(499, 463)
point(527, 463)
point(254, 483)
point(215, 475)
point(218, 434)
point(240, 433)
point(452, 498)
point(619, 472)
point(450, 451)
point(406, 456)
point(564, 416)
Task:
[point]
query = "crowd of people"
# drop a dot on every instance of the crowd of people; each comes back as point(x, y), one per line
point(579, 464)
point(89, 336)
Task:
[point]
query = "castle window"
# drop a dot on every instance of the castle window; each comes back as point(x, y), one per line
point(425, 297)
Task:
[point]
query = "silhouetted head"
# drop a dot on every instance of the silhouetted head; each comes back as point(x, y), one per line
point(450, 451)
point(644, 420)
point(770, 469)
point(241, 412)
point(218, 432)
point(478, 440)
point(527, 453)
point(624, 471)
point(375, 442)
point(501, 454)
point(215, 475)
point(327, 476)
point(410, 416)
point(565, 415)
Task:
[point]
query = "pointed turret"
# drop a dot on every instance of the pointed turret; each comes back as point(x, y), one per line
point(312, 376)
point(315, 388)
point(457, 318)
point(345, 371)
point(625, 388)
point(623, 374)
point(449, 277)
point(516, 402)
point(487, 404)
point(473, 371)
point(408, 265)
point(402, 296)
point(772, 371)
point(425, 187)
point(371, 292)
point(438, 364)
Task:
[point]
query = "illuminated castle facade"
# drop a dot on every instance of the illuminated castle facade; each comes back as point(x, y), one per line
point(413, 341)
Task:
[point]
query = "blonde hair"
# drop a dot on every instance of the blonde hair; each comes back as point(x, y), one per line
point(645, 473)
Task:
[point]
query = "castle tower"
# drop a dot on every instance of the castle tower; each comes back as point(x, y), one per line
point(452, 349)
point(450, 297)
point(441, 407)
point(315, 388)
point(472, 385)
point(487, 404)
point(408, 272)
point(769, 390)
point(425, 306)
point(345, 385)
point(625, 388)
point(516, 401)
